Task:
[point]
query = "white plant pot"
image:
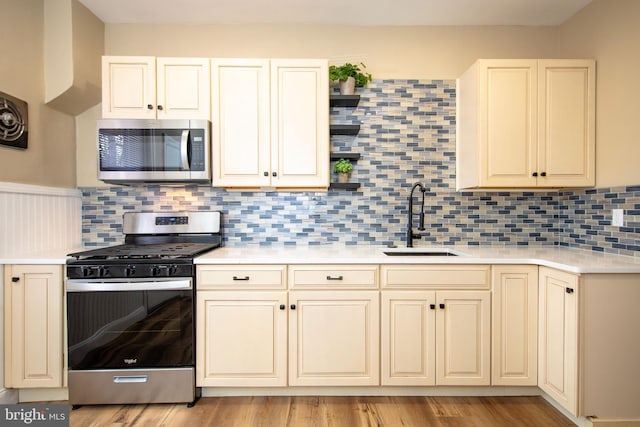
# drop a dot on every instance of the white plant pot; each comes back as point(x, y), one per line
point(348, 87)
point(343, 177)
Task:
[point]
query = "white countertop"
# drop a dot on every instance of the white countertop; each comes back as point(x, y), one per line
point(571, 260)
point(58, 256)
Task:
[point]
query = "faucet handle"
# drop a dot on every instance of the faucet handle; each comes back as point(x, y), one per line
point(421, 222)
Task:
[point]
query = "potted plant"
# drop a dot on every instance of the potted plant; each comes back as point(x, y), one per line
point(343, 168)
point(349, 76)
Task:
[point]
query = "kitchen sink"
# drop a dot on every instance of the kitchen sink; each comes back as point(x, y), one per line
point(422, 252)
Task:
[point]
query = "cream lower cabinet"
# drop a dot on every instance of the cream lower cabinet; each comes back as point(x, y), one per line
point(439, 336)
point(242, 338)
point(589, 344)
point(334, 325)
point(271, 123)
point(514, 336)
point(558, 337)
point(241, 326)
point(334, 338)
point(34, 336)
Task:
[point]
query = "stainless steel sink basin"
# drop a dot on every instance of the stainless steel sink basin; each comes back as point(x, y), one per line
point(422, 252)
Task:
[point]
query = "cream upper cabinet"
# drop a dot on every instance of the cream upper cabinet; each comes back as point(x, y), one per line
point(146, 87)
point(334, 338)
point(241, 143)
point(271, 123)
point(435, 325)
point(514, 337)
point(33, 326)
point(526, 124)
point(558, 337)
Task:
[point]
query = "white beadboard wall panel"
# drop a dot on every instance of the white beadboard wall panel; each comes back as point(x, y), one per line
point(35, 219)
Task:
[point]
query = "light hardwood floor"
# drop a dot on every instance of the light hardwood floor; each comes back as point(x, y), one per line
point(330, 411)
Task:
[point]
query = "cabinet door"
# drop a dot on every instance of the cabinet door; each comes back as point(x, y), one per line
point(300, 123)
point(514, 337)
point(183, 88)
point(408, 338)
point(558, 337)
point(241, 123)
point(566, 123)
point(129, 87)
point(334, 338)
point(241, 339)
point(507, 124)
point(33, 326)
point(463, 329)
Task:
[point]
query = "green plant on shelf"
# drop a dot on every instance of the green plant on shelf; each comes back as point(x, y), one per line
point(343, 166)
point(343, 72)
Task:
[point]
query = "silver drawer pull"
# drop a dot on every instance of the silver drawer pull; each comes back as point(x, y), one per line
point(334, 278)
point(131, 379)
point(245, 278)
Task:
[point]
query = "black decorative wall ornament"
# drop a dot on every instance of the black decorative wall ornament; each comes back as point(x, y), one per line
point(13, 121)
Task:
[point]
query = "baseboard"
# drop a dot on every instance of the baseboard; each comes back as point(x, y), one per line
point(600, 422)
point(370, 391)
point(8, 396)
point(43, 395)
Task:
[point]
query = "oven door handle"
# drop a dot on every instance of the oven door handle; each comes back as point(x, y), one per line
point(74, 285)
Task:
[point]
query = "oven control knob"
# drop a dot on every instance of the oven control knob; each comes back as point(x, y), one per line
point(156, 270)
point(130, 270)
point(103, 271)
point(86, 271)
point(173, 270)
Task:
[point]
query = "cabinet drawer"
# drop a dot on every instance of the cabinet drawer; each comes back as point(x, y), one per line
point(241, 277)
point(435, 276)
point(333, 276)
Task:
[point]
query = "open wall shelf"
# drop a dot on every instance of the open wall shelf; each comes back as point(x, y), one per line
point(344, 129)
point(344, 186)
point(344, 100)
point(354, 157)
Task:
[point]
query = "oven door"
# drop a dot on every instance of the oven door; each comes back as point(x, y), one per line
point(113, 324)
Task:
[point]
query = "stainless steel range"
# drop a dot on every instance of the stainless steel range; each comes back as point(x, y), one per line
point(131, 311)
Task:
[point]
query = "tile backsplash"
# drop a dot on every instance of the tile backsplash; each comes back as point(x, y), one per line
point(407, 135)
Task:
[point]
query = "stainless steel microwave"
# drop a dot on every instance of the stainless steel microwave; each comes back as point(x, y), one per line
point(154, 151)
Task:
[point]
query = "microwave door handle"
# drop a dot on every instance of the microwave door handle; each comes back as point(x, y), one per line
point(184, 150)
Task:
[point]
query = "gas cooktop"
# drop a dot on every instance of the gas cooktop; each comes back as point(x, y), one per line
point(146, 251)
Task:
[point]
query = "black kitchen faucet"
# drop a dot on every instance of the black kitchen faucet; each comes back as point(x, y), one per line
point(410, 234)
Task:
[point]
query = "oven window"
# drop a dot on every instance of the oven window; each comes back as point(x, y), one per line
point(132, 329)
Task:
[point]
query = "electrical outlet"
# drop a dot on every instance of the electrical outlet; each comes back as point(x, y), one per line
point(617, 217)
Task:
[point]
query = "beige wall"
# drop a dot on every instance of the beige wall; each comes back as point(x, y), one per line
point(388, 52)
point(609, 31)
point(50, 157)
